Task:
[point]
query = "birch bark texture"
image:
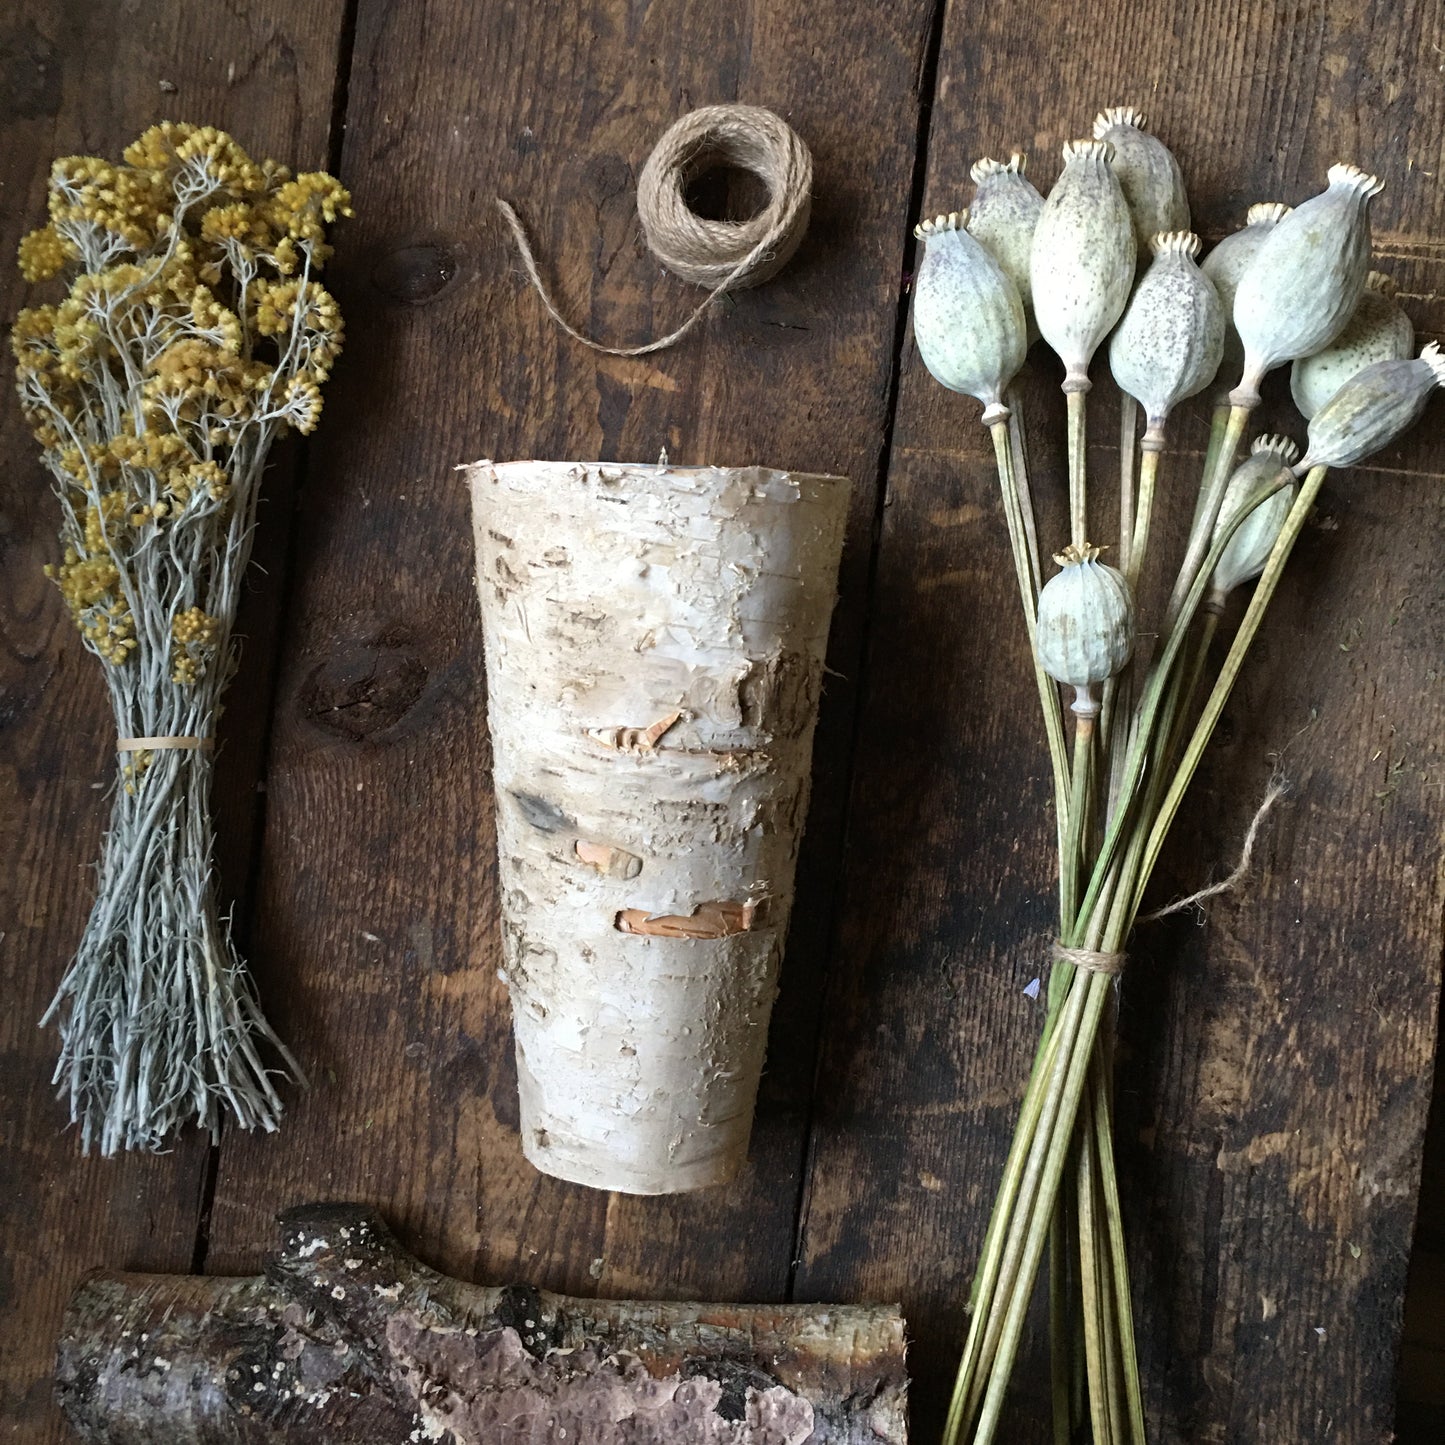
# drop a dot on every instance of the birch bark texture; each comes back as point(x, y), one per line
point(654, 642)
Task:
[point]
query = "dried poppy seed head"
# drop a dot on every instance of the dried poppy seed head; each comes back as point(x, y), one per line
point(1085, 630)
point(1247, 551)
point(1076, 552)
point(1266, 213)
point(1352, 178)
point(1100, 151)
point(1169, 343)
point(1004, 215)
point(1119, 115)
point(1176, 243)
point(1378, 330)
point(1152, 182)
point(953, 221)
point(1081, 265)
point(968, 319)
point(1306, 278)
point(1226, 263)
point(1279, 446)
point(1372, 409)
point(986, 166)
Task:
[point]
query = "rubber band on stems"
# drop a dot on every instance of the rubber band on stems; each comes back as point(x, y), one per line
point(723, 255)
point(138, 745)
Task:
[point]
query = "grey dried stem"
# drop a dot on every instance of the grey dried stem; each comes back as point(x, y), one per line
point(159, 1020)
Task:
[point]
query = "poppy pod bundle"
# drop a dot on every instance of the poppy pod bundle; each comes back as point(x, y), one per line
point(1130, 700)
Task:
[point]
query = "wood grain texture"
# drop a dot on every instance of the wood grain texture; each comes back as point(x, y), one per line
point(377, 914)
point(80, 78)
point(1420, 1416)
point(1275, 1066)
point(1274, 1073)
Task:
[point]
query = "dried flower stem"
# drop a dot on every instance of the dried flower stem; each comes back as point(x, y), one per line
point(1078, 467)
point(1211, 496)
point(1103, 1143)
point(1023, 542)
point(1128, 447)
point(1229, 671)
point(1093, 1287)
point(1139, 542)
point(1050, 1122)
point(1218, 425)
point(1019, 465)
point(158, 1017)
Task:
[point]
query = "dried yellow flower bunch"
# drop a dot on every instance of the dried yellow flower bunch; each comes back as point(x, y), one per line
point(193, 333)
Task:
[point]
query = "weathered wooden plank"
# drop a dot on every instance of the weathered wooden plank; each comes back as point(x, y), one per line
point(1275, 1070)
point(1421, 1415)
point(376, 910)
point(89, 79)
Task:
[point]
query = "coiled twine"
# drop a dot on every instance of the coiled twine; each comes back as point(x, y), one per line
point(722, 255)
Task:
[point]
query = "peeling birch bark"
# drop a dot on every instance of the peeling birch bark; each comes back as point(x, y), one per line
point(348, 1339)
point(654, 640)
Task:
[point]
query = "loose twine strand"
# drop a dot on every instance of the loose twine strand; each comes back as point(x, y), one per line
point(1278, 787)
point(723, 255)
point(1094, 961)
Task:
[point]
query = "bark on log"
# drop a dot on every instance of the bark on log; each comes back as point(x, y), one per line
point(347, 1338)
point(655, 639)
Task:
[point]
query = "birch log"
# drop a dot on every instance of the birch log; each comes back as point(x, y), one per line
point(654, 640)
point(348, 1340)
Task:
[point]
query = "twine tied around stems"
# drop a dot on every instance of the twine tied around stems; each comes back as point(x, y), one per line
point(723, 255)
point(1090, 960)
point(137, 745)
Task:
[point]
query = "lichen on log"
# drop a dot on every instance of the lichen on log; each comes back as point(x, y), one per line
point(348, 1338)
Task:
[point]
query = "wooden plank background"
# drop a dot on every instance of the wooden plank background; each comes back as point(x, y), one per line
point(1275, 1076)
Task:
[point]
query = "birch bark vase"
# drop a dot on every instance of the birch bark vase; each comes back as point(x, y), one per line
point(654, 640)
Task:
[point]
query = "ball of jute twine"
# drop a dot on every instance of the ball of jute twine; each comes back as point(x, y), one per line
point(722, 255)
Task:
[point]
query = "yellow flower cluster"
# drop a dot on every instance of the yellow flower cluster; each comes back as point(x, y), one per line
point(195, 635)
point(43, 254)
point(193, 333)
point(234, 222)
point(304, 207)
point(164, 454)
point(89, 581)
point(127, 202)
point(192, 379)
point(183, 482)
